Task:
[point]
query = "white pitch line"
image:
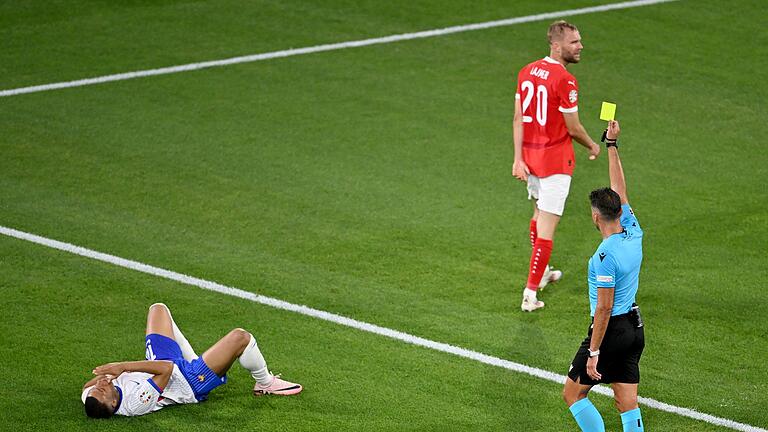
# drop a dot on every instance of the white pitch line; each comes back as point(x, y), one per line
point(360, 325)
point(329, 47)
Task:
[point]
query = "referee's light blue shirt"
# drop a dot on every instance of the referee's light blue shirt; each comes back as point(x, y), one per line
point(616, 264)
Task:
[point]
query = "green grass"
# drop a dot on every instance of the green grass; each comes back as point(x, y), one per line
point(373, 183)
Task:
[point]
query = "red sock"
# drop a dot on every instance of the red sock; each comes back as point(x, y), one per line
point(534, 232)
point(542, 249)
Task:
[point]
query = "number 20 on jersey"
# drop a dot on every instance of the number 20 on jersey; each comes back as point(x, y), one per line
point(541, 102)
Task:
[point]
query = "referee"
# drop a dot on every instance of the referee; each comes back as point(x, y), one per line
point(615, 340)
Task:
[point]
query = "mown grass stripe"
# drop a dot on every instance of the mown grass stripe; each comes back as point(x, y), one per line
point(327, 47)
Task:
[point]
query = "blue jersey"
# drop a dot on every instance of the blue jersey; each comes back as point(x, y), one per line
point(616, 264)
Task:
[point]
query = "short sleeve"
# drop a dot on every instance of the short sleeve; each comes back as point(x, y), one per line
point(605, 270)
point(568, 94)
point(628, 216)
point(139, 398)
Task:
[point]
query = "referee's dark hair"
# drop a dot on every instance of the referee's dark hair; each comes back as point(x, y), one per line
point(96, 409)
point(607, 202)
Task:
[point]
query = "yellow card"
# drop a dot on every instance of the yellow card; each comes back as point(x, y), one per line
point(608, 111)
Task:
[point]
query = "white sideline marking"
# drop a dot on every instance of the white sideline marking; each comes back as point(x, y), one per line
point(360, 325)
point(329, 47)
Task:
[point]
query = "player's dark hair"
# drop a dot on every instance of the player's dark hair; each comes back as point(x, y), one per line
point(96, 409)
point(607, 202)
point(557, 28)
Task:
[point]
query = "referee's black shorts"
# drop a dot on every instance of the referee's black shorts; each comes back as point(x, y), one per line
point(620, 353)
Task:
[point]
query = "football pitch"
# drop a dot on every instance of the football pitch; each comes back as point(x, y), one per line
point(374, 183)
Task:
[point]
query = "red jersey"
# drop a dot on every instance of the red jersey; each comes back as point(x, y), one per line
point(546, 90)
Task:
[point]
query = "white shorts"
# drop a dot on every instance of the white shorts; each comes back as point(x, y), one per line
point(550, 192)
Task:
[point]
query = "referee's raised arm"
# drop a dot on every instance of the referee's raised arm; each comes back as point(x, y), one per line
point(615, 171)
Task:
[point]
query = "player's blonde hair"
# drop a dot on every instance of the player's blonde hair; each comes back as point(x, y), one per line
point(557, 29)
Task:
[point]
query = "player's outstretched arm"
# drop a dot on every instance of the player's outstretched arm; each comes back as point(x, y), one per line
point(519, 168)
point(615, 170)
point(576, 131)
point(605, 297)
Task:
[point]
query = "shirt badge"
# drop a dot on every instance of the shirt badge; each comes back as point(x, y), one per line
point(145, 397)
point(573, 95)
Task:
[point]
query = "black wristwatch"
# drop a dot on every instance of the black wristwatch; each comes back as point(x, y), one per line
point(609, 142)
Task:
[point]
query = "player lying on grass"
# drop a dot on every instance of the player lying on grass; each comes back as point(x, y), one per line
point(173, 374)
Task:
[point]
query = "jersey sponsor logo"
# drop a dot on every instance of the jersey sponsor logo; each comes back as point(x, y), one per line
point(573, 95)
point(605, 279)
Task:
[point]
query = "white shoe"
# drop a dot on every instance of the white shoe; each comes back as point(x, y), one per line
point(530, 303)
point(549, 276)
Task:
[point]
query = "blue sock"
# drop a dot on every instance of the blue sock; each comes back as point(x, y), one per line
point(632, 421)
point(587, 416)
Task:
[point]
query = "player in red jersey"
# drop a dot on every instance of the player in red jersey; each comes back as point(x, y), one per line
point(546, 120)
